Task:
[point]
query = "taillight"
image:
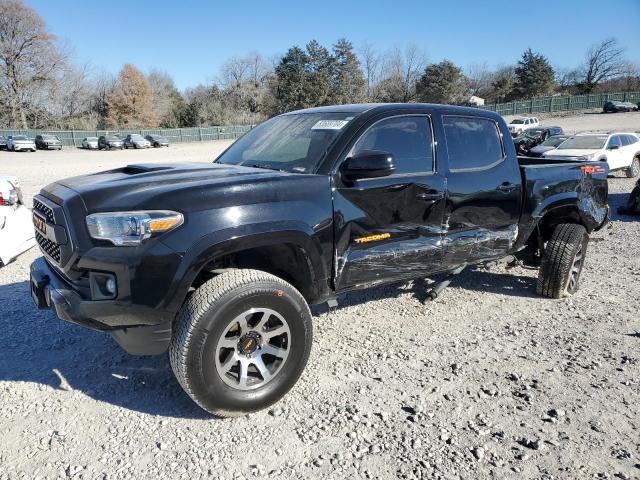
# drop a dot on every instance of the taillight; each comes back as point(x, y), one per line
point(592, 168)
point(12, 199)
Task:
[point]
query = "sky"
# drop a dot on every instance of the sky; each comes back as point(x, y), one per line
point(190, 40)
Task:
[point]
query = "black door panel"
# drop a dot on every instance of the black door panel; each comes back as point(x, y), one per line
point(385, 230)
point(484, 192)
point(390, 227)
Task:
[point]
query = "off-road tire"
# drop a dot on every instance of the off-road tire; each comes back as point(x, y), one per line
point(634, 168)
point(567, 241)
point(201, 323)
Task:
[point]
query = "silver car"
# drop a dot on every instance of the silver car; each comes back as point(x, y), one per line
point(17, 143)
point(90, 143)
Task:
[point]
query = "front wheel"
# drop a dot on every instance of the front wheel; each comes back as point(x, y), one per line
point(240, 342)
point(634, 169)
point(562, 261)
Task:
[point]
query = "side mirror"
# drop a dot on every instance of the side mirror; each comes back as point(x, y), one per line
point(614, 147)
point(368, 164)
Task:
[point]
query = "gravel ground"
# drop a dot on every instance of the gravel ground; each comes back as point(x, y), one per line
point(489, 381)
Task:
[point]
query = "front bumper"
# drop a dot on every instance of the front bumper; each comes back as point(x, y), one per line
point(23, 147)
point(128, 324)
point(53, 147)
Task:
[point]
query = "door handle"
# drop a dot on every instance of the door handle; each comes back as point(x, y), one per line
point(430, 197)
point(506, 187)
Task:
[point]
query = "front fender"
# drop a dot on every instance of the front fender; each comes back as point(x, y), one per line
point(235, 239)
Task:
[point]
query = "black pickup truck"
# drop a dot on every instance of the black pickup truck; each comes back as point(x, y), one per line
point(218, 262)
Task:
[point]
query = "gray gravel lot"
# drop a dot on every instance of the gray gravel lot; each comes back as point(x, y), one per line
point(489, 381)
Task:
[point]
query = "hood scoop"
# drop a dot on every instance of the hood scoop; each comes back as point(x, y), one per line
point(142, 168)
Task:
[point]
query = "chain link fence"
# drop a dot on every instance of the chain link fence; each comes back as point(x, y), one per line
point(73, 138)
point(560, 104)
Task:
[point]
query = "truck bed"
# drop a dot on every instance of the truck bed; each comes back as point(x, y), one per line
point(549, 183)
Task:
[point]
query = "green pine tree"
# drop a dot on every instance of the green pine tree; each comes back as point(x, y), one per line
point(349, 85)
point(534, 76)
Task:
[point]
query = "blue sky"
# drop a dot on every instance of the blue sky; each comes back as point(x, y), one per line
point(190, 40)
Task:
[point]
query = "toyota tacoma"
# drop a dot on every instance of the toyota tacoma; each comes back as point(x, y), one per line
point(218, 263)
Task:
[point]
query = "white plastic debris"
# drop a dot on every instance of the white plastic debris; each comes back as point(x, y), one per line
point(16, 230)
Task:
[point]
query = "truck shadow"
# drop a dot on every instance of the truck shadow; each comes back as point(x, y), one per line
point(38, 348)
point(617, 200)
point(474, 278)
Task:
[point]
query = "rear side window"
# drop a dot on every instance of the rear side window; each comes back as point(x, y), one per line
point(407, 138)
point(632, 139)
point(472, 143)
point(614, 141)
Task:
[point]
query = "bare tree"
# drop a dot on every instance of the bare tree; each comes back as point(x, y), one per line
point(480, 78)
point(370, 61)
point(603, 62)
point(29, 57)
point(401, 70)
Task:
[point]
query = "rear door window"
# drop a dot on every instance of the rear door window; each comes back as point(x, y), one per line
point(473, 143)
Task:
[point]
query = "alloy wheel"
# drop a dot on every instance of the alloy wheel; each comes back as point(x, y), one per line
point(253, 348)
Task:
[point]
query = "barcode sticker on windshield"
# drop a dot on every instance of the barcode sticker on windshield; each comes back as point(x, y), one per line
point(329, 124)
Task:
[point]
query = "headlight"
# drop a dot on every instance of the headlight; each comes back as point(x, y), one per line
point(131, 228)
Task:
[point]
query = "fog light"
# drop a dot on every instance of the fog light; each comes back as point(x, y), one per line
point(111, 285)
point(103, 286)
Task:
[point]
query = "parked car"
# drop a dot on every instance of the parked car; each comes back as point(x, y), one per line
point(620, 150)
point(519, 125)
point(614, 106)
point(90, 143)
point(3, 143)
point(135, 141)
point(107, 142)
point(534, 136)
point(16, 229)
point(16, 143)
point(157, 140)
point(549, 144)
point(48, 142)
point(218, 263)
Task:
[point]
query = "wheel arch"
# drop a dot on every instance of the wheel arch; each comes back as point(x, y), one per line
point(292, 255)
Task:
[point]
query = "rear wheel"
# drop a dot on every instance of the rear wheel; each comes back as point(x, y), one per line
point(634, 169)
point(240, 342)
point(562, 261)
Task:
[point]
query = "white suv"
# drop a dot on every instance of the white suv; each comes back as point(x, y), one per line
point(519, 125)
point(620, 150)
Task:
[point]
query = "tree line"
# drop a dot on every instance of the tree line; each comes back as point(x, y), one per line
point(41, 87)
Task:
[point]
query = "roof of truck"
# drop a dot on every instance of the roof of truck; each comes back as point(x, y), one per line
point(358, 108)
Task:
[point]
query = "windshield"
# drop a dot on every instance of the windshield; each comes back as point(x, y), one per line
point(112, 138)
point(584, 142)
point(136, 137)
point(517, 120)
point(553, 141)
point(20, 137)
point(293, 143)
point(49, 137)
point(92, 139)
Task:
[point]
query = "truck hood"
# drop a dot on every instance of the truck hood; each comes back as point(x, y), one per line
point(178, 186)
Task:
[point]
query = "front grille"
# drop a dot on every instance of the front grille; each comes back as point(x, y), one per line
point(47, 246)
point(46, 211)
point(59, 253)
